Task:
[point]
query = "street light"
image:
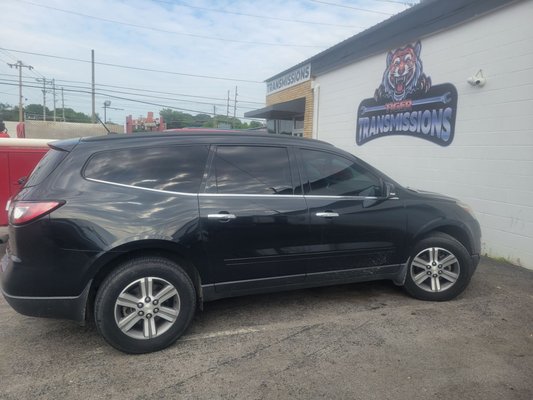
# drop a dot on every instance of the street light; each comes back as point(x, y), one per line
point(107, 104)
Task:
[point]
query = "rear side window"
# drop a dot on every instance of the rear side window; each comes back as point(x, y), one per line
point(45, 167)
point(172, 168)
point(251, 170)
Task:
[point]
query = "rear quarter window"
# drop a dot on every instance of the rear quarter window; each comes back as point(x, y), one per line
point(172, 168)
point(48, 163)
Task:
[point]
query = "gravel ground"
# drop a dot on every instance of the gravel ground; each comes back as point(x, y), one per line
point(358, 341)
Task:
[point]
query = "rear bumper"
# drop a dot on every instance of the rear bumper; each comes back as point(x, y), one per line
point(72, 308)
point(16, 278)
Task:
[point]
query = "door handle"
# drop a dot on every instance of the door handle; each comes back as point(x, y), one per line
point(327, 214)
point(221, 216)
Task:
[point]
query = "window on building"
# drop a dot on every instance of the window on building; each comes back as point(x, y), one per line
point(294, 127)
point(285, 127)
point(271, 125)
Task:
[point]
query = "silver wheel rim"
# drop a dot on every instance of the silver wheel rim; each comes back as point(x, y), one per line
point(147, 308)
point(435, 269)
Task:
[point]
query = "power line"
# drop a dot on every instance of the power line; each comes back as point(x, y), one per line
point(403, 3)
point(351, 7)
point(122, 98)
point(134, 68)
point(160, 92)
point(33, 71)
point(262, 17)
point(151, 28)
point(146, 90)
point(106, 91)
point(19, 65)
point(157, 92)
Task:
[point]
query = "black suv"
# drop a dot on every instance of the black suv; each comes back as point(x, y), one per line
point(139, 230)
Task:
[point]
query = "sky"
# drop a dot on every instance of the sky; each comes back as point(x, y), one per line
point(207, 48)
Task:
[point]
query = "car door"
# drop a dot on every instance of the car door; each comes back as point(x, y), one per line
point(254, 218)
point(352, 225)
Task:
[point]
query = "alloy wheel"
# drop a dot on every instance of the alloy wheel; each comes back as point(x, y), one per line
point(147, 308)
point(435, 269)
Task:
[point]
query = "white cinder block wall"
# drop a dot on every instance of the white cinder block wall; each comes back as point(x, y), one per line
point(489, 164)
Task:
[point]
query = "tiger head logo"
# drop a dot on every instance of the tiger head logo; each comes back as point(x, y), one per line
point(404, 74)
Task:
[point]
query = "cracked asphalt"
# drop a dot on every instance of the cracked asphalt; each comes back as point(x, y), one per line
point(357, 341)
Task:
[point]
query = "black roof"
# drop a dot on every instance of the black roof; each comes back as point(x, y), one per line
point(195, 133)
point(425, 18)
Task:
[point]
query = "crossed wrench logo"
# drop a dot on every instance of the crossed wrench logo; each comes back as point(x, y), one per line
point(444, 99)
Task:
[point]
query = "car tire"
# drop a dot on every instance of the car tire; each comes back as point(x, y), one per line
point(144, 305)
point(439, 268)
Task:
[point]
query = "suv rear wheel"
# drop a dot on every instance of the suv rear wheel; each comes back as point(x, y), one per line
point(439, 268)
point(144, 305)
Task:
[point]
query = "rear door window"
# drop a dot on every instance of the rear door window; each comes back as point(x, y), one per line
point(172, 168)
point(251, 170)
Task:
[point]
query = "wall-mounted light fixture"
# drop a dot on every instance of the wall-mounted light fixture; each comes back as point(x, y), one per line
point(477, 80)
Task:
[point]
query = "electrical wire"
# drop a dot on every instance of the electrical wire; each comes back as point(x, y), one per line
point(32, 70)
point(109, 91)
point(125, 99)
point(352, 8)
point(144, 90)
point(403, 3)
point(262, 17)
point(130, 67)
point(151, 28)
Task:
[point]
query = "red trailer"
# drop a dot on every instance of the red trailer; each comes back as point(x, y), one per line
point(18, 157)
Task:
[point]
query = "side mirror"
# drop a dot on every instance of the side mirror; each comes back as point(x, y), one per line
point(390, 191)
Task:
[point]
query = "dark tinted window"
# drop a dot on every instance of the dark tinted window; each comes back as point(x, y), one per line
point(332, 175)
point(173, 168)
point(251, 170)
point(47, 164)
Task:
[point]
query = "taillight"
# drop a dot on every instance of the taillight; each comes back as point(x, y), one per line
point(21, 212)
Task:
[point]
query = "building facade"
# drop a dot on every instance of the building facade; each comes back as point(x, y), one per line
point(439, 97)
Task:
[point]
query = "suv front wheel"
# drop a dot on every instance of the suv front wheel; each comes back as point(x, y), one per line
point(439, 268)
point(144, 305)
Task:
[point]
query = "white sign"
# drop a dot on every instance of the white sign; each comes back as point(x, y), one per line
point(291, 78)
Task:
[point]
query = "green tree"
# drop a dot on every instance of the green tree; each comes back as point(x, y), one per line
point(35, 111)
point(73, 116)
point(8, 112)
point(177, 119)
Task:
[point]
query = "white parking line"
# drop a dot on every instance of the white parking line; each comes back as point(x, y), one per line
point(222, 334)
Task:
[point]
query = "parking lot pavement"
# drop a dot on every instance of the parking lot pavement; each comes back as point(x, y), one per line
point(359, 341)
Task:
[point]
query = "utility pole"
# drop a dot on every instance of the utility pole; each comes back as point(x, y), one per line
point(235, 108)
point(107, 104)
point(214, 116)
point(63, 103)
point(44, 81)
point(19, 65)
point(92, 89)
point(54, 94)
point(227, 107)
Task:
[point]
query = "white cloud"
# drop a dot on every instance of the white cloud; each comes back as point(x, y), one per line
point(35, 29)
